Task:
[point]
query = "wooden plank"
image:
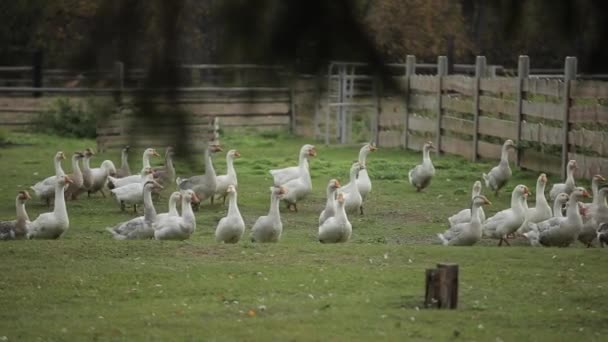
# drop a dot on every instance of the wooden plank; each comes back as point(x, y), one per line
point(496, 105)
point(493, 151)
point(457, 104)
point(589, 140)
point(543, 86)
point(498, 85)
point(261, 121)
point(541, 162)
point(421, 124)
point(497, 128)
point(458, 83)
point(391, 120)
point(589, 113)
point(389, 138)
point(543, 110)
point(544, 134)
point(424, 102)
point(423, 83)
point(588, 166)
point(416, 142)
point(457, 146)
point(589, 89)
point(457, 125)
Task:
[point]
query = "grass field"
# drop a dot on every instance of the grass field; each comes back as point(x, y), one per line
point(87, 286)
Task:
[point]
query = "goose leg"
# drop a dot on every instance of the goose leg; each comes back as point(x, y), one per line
point(122, 206)
point(507, 242)
point(135, 208)
point(211, 199)
point(361, 209)
point(500, 242)
point(102, 193)
point(295, 207)
point(224, 200)
point(89, 194)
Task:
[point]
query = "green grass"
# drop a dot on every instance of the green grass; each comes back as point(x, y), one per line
point(87, 286)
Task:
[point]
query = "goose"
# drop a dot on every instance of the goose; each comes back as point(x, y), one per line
point(464, 216)
point(559, 231)
point(336, 228)
point(223, 181)
point(602, 234)
point(45, 189)
point(352, 197)
point(124, 169)
point(16, 229)
point(87, 177)
point(420, 176)
point(165, 175)
point(100, 175)
point(568, 185)
point(596, 214)
point(466, 233)
point(298, 188)
point(54, 224)
point(230, 229)
point(131, 193)
point(204, 185)
point(595, 185)
point(178, 227)
point(282, 176)
point(363, 182)
point(140, 227)
point(175, 197)
point(499, 175)
point(330, 205)
point(114, 182)
point(542, 211)
point(73, 189)
point(507, 221)
point(560, 201)
point(269, 228)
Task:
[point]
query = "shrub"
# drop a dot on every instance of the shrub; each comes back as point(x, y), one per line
point(74, 119)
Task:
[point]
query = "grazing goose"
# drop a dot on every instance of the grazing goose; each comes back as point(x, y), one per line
point(595, 186)
point(16, 229)
point(230, 229)
point(466, 233)
point(269, 228)
point(282, 176)
point(179, 227)
point(336, 228)
point(100, 176)
point(507, 221)
point(131, 193)
point(499, 175)
point(298, 188)
point(223, 181)
point(45, 189)
point(330, 205)
point(204, 185)
point(464, 216)
point(568, 185)
point(165, 175)
point(542, 211)
point(173, 199)
point(597, 213)
point(602, 234)
point(114, 182)
point(124, 170)
point(54, 224)
point(559, 231)
point(140, 227)
point(73, 189)
point(352, 198)
point(363, 182)
point(421, 175)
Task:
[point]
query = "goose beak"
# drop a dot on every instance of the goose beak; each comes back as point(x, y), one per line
point(68, 180)
point(312, 152)
point(154, 153)
point(372, 148)
point(600, 178)
point(488, 202)
point(337, 184)
point(237, 154)
point(586, 194)
point(195, 199)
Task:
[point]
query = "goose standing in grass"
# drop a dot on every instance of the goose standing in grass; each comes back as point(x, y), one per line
point(45, 189)
point(595, 186)
point(54, 224)
point(140, 227)
point(284, 175)
point(124, 170)
point(175, 197)
point(330, 205)
point(298, 188)
point(230, 229)
point(501, 174)
point(73, 189)
point(507, 221)
point(421, 175)
point(602, 234)
point(114, 182)
point(568, 185)
point(179, 227)
point(364, 183)
point(87, 177)
point(352, 198)
point(204, 185)
point(131, 193)
point(223, 181)
point(100, 177)
point(336, 228)
point(466, 233)
point(542, 211)
point(596, 214)
point(165, 174)
point(16, 229)
point(464, 216)
point(269, 228)
point(559, 231)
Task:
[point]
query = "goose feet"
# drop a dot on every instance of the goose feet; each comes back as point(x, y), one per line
point(122, 206)
point(361, 209)
point(135, 208)
point(503, 240)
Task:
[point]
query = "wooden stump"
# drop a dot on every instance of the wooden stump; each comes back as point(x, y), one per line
point(442, 287)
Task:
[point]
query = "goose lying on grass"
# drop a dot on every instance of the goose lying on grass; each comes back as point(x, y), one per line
point(466, 233)
point(16, 229)
point(54, 224)
point(45, 189)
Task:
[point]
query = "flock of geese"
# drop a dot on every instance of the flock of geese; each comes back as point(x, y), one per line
point(568, 220)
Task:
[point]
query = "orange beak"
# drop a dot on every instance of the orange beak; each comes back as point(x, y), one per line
point(337, 183)
point(312, 152)
point(154, 153)
point(237, 154)
point(68, 180)
point(195, 199)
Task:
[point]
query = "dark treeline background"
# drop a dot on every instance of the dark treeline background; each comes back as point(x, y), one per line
point(93, 33)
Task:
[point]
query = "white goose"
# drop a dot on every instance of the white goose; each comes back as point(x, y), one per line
point(542, 211)
point(100, 177)
point(73, 189)
point(595, 186)
point(16, 229)
point(87, 177)
point(421, 175)
point(330, 205)
point(230, 229)
point(298, 188)
point(124, 169)
point(180, 227)
point(140, 227)
point(269, 228)
point(499, 175)
point(597, 214)
point(223, 181)
point(568, 185)
point(559, 231)
point(114, 182)
point(352, 197)
point(45, 189)
point(466, 233)
point(203, 185)
point(165, 174)
point(282, 176)
point(602, 234)
point(507, 221)
point(464, 216)
point(54, 224)
point(336, 228)
point(558, 204)
point(173, 199)
point(131, 193)
point(363, 182)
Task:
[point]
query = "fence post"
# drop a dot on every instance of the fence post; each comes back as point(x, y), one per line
point(119, 80)
point(442, 70)
point(450, 54)
point(410, 70)
point(569, 75)
point(378, 105)
point(523, 71)
point(37, 71)
point(480, 71)
point(292, 104)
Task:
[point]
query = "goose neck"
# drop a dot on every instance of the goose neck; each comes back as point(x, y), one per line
point(76, 167)
point(363, 155)
point(86, 163)
point(172, 205)
point(209, 170)
point(187, 213)
point(540, 193)
point(145, 161)
point(426, 155)
point(60, 209)
point(58, 169)
point(233, 208)
point(274, 206)
point(572, 212)
point(230, 166)
point(475, 213)
point(21, 213)
point(124, 160)
point(149, 210)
